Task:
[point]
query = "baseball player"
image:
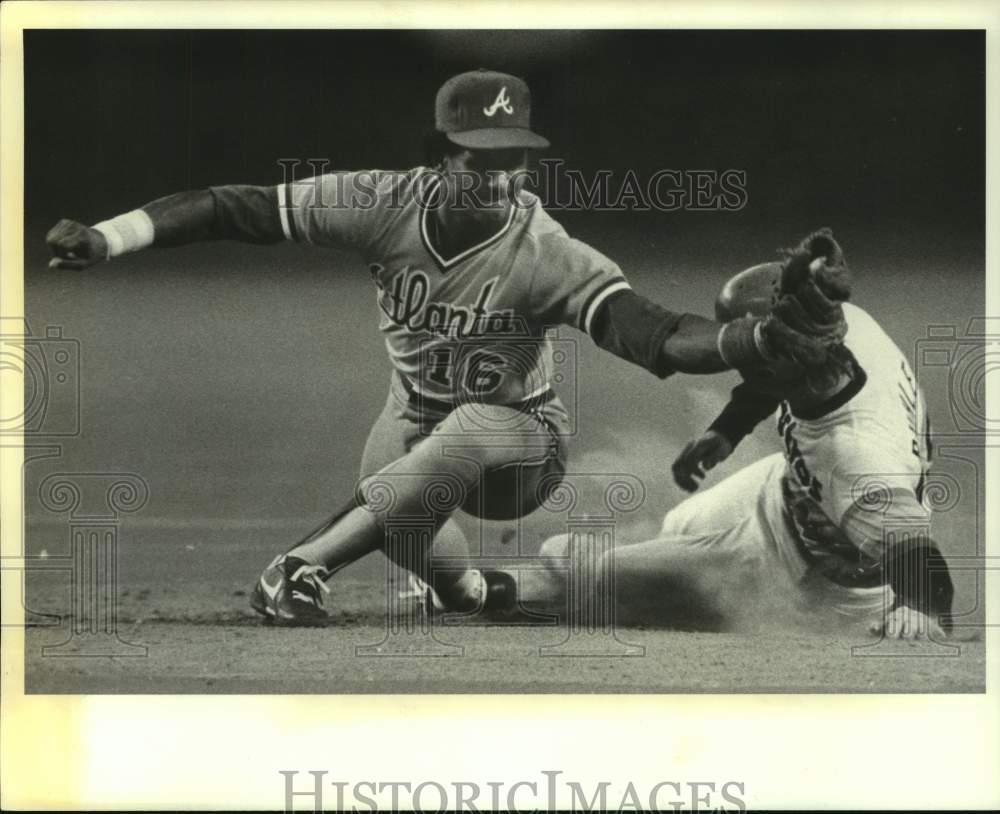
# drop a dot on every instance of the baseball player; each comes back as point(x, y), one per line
point(835, 522)
point(469, 271)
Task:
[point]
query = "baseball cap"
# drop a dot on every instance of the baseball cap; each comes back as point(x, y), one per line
point(486, 110)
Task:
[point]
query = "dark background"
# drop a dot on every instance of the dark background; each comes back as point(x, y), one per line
point(840, 127)
point(240, 382)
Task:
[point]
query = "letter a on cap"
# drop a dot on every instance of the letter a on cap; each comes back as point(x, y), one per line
point(500, 103)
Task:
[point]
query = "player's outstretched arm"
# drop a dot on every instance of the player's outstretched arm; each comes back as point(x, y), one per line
point(805, 322)
point(918, 574)
point(665, 342)
point(803, 325)
point(911, 564)
point(237, 212)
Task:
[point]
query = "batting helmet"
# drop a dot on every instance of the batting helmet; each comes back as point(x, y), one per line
point(750, 293)
point(753, 292)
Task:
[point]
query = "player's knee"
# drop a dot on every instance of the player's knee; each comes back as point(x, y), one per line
point(669, 523)
point(555, 548)
point(685, 517)
point(487, 418)
point(495, 434)
point(579, 558)
point(496, 453)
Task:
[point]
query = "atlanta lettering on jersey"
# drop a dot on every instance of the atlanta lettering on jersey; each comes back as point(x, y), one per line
point(405, 303)
point(796, 461)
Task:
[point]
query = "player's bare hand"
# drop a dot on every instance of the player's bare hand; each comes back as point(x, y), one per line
point(75, 246)
point(698, 457)
point(908, 624)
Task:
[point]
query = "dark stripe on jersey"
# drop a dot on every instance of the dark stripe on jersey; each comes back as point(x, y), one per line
point(818, 411)
point(247, 213)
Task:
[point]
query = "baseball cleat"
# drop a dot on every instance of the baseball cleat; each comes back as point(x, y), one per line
point(423, 596)
point(290, 593)
point(498, 596)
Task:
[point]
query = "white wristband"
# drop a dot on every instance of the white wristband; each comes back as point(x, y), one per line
point(127, 233)
point(761, 343)
point(741, 343)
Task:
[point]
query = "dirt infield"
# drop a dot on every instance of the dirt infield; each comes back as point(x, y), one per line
point(204, 639)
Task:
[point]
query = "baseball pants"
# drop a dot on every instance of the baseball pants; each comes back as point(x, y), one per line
point(741, 526)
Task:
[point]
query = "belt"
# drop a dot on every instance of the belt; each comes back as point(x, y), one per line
point(418, 401)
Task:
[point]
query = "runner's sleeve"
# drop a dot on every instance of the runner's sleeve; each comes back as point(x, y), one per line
point(872, 511)
point(339, 210)
point(744, 411)
point(890, 525)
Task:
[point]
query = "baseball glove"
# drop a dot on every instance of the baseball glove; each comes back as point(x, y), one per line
point(806, 322)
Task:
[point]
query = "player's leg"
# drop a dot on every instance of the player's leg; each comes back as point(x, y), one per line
point(691, 579)
point(489, 461)
point(292, 587)
point(352, 533)
point(671, 579)
point(720, 530)
point(445, 570)
point(720, 506)
point(430, 481)
point(829, 604)
point(704, 561)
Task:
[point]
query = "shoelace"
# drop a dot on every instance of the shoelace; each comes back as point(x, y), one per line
point(313, 576)
point(423, 593)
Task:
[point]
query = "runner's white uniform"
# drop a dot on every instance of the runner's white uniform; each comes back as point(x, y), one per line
point(817, 515)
